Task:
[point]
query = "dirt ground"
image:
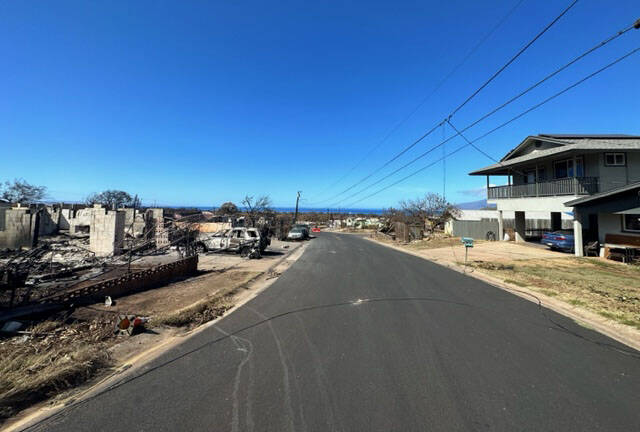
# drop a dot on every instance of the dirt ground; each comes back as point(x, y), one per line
point(451, 250)
point(217, 273)
point(53, 357)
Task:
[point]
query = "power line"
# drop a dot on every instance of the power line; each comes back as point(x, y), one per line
point(520, 52)
point(444, 164)
point(544, 30)
point(472, 144)
point(635, 25)
point(534, 107)
point(426, 98)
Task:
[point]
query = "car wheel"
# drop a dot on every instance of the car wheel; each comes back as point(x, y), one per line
point(245, 251)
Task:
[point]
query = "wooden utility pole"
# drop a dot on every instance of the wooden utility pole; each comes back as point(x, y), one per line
point(295, 217)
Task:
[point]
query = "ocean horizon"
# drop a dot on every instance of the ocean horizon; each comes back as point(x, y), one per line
point(318, 210)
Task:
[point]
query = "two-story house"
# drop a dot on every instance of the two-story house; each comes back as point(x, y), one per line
point(588, 176)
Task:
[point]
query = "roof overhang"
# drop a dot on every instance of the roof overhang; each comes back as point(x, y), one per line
point(613, 194)
point(526, 141)
point(629, 211)
point(507, 167)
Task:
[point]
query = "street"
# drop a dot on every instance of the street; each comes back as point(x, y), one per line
point(359, 337)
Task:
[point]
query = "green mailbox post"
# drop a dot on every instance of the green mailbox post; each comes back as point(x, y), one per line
point(468, 243)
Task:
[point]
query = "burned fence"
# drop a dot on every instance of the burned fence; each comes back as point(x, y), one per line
point(91, 291)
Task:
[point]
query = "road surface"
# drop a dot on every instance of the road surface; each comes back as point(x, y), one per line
point(359, 337)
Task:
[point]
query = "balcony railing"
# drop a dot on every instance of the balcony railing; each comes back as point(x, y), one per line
point(565, 186)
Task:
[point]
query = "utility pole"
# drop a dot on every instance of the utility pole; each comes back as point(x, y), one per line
point(295, 217)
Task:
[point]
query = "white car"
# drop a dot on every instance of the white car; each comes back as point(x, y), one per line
point(296, 233)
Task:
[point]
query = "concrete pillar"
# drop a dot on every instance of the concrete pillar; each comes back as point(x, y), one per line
point(577, 234)
point(520, 227)
point(106, 234)
point(500, 226)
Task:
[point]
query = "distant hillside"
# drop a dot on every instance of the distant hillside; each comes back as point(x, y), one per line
point(474, 205)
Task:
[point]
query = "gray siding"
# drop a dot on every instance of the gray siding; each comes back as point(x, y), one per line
point(475, 229)
point(611, 177)
point(478, 229)
point(592, 165)
point(633, 166)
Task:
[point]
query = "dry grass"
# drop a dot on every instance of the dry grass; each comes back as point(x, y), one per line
point(436, 241)
point(609, 289)
point(196, 314)
point(54, 358)
point(209, 308)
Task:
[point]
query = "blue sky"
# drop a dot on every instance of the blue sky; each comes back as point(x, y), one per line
point(197, 103)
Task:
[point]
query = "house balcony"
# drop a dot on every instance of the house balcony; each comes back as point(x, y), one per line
point(564, 186)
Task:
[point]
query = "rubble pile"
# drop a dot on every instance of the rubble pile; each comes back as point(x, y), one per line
point(56, 262)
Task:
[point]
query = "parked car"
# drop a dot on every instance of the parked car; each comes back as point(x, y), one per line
point(315, 229)
point(297, 233)
point(245, 241)
point(305, 230)
point(562, 240)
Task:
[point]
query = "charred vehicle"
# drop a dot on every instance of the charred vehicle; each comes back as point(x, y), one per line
point(246, 241)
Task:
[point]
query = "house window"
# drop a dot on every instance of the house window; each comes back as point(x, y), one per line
point(614, 159)
point(631, 222)
point(530, 176)
point(542, 174)
point(564, 168)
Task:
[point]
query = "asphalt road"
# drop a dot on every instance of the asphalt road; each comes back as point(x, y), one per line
point(359, 337)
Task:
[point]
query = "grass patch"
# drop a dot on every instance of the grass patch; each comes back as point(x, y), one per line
point(607, 314)
point(576, 302)
point(609, 289)
point(55, 358)
point(487, 265)
point(515, 282)
point(196, 314)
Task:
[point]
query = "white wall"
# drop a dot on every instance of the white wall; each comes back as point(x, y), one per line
point(542, 204)
point(507, 214)
point(610, 224)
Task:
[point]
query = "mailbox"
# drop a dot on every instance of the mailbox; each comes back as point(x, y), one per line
point(468, 242)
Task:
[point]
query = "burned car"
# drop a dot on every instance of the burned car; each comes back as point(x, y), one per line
point(246, 241)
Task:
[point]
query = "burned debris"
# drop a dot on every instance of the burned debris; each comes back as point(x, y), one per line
point(47, 252)
point(60, 256)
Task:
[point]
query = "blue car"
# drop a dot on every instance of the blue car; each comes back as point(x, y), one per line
point(562, 240)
